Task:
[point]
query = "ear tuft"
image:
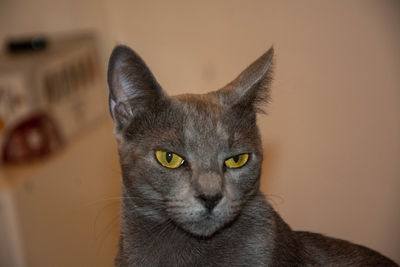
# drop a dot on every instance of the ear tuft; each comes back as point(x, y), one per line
point(132, 86)
point(251, 88)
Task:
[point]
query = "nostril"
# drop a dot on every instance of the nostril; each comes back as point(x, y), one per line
point(210, 201)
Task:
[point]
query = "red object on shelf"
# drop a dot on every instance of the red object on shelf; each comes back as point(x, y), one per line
point(33, 138)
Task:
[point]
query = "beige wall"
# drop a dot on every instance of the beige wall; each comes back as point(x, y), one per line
point(332, 136)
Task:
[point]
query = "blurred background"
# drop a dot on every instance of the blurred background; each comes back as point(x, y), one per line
point(331, 137)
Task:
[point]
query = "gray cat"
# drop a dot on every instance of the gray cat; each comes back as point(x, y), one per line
point(190, 177)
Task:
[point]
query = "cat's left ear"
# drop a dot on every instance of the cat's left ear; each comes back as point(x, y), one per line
point(133, 87)
point(251, 88)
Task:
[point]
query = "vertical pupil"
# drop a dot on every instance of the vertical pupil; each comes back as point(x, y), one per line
point(168, 157)
point(236, 158)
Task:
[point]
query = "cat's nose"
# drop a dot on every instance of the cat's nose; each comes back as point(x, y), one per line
point(209, 201)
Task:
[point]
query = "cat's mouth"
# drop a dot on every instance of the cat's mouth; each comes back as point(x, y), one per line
point(202, 222)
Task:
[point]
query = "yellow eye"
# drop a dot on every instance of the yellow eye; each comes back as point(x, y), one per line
point(169, 159)
point(237, 161)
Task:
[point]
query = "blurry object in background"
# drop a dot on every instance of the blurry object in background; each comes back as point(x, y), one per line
point(32, 138)
point(48, 99)
point(32, 44)
point(63, 83)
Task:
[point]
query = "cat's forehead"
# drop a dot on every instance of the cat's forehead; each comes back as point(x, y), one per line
point(204, 117)
point(202, 110)
point(200, 103)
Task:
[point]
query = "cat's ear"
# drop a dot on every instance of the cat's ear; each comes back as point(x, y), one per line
point(251, 88)
point(133, 87)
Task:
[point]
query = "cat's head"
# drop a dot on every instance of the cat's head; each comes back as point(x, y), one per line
point(192, 159)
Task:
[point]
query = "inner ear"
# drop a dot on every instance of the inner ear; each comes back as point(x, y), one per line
point(251, 88)
point(132, 86)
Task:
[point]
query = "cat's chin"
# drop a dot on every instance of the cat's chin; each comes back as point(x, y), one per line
point(205, 227)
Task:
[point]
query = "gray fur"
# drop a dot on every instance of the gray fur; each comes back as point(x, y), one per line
point(163, 220)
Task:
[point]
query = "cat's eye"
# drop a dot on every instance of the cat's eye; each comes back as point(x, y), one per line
point(169, 159)
point(237, 161)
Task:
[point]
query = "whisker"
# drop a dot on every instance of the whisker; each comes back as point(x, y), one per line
point(114, 222)
point(97, 217)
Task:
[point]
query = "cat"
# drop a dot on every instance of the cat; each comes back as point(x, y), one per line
point(191, 169)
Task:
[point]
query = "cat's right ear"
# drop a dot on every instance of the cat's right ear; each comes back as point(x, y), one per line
point(132, 86)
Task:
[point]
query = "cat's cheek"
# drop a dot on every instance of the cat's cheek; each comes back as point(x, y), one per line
point(170, 183)
point(243, 180)
point(160, 181)
point(182, 188)
point(231, 191)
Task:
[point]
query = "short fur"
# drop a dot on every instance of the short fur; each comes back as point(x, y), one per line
point(163, 220)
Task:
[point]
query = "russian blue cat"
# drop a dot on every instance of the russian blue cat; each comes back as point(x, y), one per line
point(191, 169)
